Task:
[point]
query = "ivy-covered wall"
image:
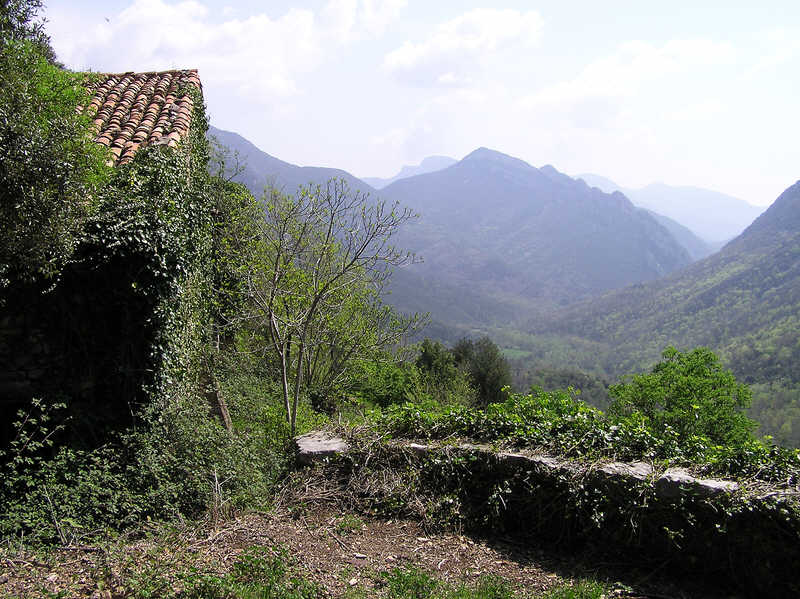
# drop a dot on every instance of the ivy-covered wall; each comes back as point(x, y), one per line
point(125, 317)
point(736, 537)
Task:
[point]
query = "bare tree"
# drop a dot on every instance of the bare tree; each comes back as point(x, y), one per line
point(315, 275)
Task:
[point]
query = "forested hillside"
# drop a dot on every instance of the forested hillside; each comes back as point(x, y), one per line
point(743, 302)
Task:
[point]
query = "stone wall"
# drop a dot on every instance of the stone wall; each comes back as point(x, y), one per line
point(741, 536)
point(84, 342)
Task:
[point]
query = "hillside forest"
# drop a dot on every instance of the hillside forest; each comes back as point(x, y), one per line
point(170, 324)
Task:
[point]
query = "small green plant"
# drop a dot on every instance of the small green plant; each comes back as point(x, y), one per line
point(259, 573)
point(487, 587)
point(413, 583)
point(585, 589)
point(410, 583)
point(349, 523)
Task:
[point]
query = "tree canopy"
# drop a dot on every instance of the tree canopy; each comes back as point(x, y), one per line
point(317, 265)
point(486, 366)
point(50, 170)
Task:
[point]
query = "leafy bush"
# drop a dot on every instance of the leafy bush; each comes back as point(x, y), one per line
point(384, 382)
point(50, 170)
point(58, 497)
point(691, 394)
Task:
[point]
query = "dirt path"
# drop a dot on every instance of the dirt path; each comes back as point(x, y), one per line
point(342, 553)
point(345, 550)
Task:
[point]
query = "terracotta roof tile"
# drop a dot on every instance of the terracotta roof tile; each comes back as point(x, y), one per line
point(132, 110)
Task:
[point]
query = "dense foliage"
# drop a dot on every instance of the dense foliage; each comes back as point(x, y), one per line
point(690, 393)
point(50, 170)
point(687, 411)
point(486, 366)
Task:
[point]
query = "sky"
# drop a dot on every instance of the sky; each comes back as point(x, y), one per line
point(686, 93)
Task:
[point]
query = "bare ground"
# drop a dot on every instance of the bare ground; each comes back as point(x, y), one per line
point(341, 552)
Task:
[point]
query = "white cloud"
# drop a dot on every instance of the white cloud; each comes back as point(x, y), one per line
point(776, 47)
point(258, 57)
point(462, 47)
point(637, 75)
point(348, 20)
point(376, 15)
point(635, 66)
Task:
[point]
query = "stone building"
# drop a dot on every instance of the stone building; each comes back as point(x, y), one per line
point(88, 337)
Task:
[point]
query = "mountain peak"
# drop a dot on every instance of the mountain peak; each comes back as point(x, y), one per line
point(484, 154)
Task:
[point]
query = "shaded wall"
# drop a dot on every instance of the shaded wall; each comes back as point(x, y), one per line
point(85, 342)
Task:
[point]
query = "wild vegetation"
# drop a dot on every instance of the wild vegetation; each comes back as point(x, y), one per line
point(222, 325)
point(739, 302)
point(688, 410)
point(50, 170)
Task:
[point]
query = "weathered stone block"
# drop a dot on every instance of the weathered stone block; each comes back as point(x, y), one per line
point(418, 449)
point(677, 481)
point(317, 446)
point(636, 470)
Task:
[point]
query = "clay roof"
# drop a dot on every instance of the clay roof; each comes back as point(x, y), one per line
point(132, 110)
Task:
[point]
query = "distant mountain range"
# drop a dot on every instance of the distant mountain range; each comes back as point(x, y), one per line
point(715, 217)
point(428, 165)
point(501, 238)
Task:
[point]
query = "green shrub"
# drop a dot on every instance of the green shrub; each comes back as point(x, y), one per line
point(50, 170)
point(690, 393)
point(384, 383)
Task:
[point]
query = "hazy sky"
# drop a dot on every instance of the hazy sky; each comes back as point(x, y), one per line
point(689, 93)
